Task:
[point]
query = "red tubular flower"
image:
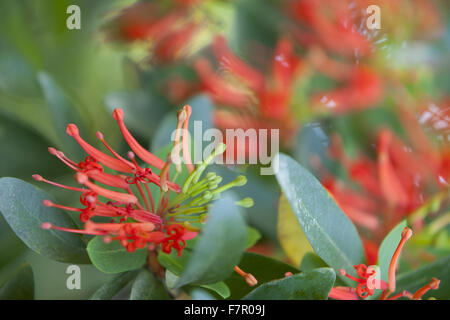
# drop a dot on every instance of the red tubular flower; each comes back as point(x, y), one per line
point(113, 195)
point(368, 282)
point(343, 293)
point(110, 162)
point(134, 145)
point(406, 234)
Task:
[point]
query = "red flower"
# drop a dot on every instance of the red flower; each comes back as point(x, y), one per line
point(176, 238)
point(368, 280)
point(137, 221)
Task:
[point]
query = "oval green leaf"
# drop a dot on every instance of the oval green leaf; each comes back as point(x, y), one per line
point(253, 236)
point(219, 247)
point(21, 206)
point(147, 287)
point(219, 287)
point(264, 269)
point(331, 234)
point(311, 285)
point(113, 286)
point(311, 261)
point(113, 257)
point(174, 267)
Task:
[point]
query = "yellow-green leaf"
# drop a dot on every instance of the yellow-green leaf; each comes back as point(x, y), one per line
point(291, 237)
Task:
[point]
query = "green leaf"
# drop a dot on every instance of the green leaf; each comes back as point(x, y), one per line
point(200, 294)
point(253, 237)
point(147, 287)
point(311, 261)
point(113, 257)
point(291, 236)
point(21, 206)
point(172, 262)
point(20, 286)
point(113, 286)
point(331, 234)
point(264, 190)
point(175, 266)
point(170, 279)
point(219, 247)
point(311, 285)
point(219, 287)
point(416, 279)
point(387, 248)
point(264, 269)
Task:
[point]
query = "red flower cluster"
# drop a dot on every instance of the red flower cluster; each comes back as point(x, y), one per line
point(330, 29)
point(137, 221)
point(249, 98)
point(401, 179)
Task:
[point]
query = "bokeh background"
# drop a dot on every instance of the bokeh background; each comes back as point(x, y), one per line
point(50, 76)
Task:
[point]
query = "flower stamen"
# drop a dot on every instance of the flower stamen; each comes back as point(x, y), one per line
point(249, 278)
point(406, 234)
point(185, 140)
point(41, 179)
point(433, 285)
